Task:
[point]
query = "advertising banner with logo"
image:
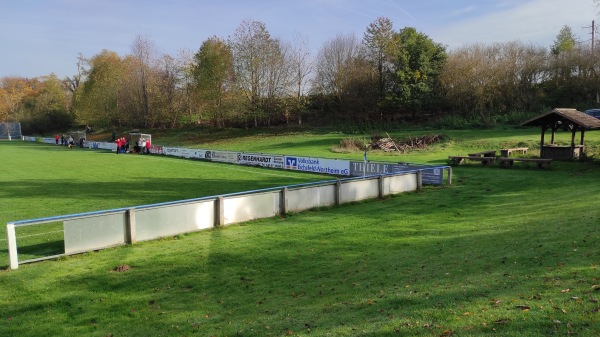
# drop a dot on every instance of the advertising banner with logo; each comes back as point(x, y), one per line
point(260, 160)
point(191, 153)
point(318, 165)
point(172, 151)
point(101, 145)
point(430, 175)
point(222, 156)
point(157, 150)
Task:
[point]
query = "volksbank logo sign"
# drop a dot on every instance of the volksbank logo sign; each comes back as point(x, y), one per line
point(318, 165)
point(291, 163)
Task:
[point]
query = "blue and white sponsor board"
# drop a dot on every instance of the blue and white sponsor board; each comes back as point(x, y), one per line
point(260, 160)
point(318, 165)
point(430, 175)
point(102, 145)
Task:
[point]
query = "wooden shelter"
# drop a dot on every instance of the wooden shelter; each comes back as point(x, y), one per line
point(567, 120)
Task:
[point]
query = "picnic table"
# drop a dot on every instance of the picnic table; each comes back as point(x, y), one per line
point(487, 153)
point(457, 160)
point(541, 162)
point(508, 152)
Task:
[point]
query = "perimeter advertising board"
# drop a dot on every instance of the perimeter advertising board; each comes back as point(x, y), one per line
point(318, 165)
point(102, 145)
point(184, 153)
point(157, 150)
point(222, 156)
point(260, 160)
point(430, 175)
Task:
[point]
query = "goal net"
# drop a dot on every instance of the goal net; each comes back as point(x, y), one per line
point(9, 130)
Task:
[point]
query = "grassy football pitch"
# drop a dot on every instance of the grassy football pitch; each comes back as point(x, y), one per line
point(506, 252)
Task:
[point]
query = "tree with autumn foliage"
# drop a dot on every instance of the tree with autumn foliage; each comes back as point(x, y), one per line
point(213, 74)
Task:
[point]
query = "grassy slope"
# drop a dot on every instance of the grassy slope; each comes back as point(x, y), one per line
point(511, 252)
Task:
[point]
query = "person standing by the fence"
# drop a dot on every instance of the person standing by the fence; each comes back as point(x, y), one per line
point(118, 141)
point(148, 146)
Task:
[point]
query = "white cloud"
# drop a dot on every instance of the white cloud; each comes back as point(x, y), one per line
point(535, 21)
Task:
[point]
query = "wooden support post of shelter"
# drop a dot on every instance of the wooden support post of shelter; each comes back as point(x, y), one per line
point(567, 120)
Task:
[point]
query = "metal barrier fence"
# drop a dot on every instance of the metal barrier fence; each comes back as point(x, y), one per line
point(103, 229)
point(432, 174)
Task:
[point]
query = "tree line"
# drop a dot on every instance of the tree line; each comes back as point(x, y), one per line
point(253, 79)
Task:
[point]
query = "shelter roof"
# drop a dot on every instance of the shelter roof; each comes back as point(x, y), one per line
point(565, 117)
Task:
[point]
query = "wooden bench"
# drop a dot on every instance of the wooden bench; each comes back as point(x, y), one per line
point(541, 162)
point(457, 160)
point(488, 153)
point(508, 152)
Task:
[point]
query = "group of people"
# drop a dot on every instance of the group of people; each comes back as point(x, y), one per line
point(122, 145)
point(141, 146)
point(70, 142)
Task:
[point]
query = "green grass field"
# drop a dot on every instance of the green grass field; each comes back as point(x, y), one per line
point(505, 252)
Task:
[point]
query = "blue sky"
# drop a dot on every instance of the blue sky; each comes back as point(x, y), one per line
point(39, 37)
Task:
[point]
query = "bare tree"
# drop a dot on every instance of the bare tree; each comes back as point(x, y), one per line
point(144, 52)
point(301, 65)
point(342, 73)
point(332, 63)
point(381, 44)
point(258, 63)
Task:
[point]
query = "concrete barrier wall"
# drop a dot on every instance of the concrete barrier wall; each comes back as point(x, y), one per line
point(249, 207)
point(103, 229)
point(95, 232)
point(400, 183)
point(310, 197)
point(155, 222)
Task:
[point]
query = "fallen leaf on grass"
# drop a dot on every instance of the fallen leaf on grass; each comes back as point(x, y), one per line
point(565, 291)
point(122, 268)
point(557, 308)
point(502, 321)
point(523, 307)
point(447, 333)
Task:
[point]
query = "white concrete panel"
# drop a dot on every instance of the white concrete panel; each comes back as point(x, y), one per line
point(359, 190)
point(152, 223)
point(250, 207)
point(399, 184)
point(97, 232)
point(311, 197)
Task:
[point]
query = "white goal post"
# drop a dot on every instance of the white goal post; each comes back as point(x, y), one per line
point(10, 130)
